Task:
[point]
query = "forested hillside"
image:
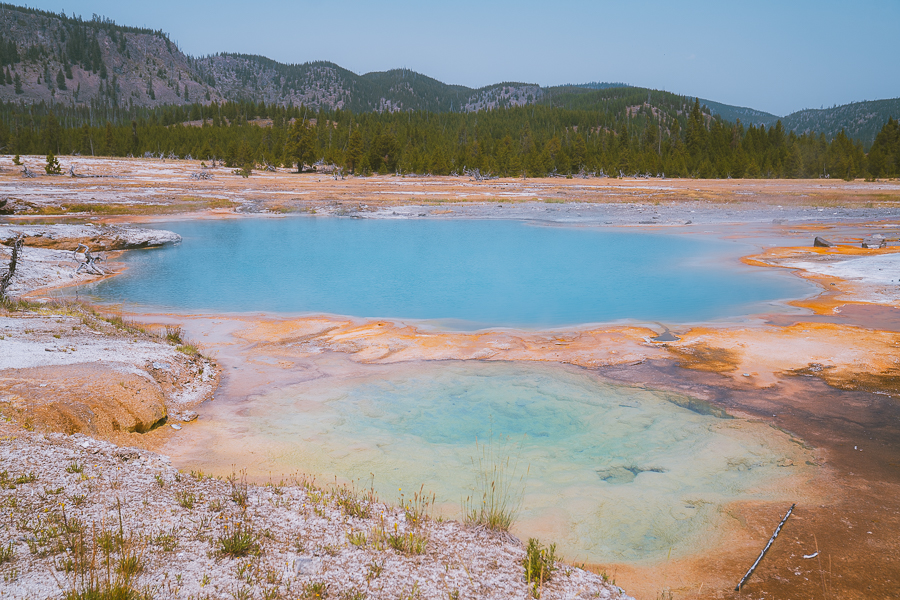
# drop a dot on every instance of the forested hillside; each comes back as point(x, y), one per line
point(535, 140)
point(747, 116)
point(859, 120)
point(62, 60)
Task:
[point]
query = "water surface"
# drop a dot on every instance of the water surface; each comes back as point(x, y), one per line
point(467, 273)
point(609, 472)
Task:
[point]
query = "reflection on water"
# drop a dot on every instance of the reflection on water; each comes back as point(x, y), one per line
point(611, 473)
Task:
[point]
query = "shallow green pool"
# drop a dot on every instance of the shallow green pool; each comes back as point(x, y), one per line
point(609, 472)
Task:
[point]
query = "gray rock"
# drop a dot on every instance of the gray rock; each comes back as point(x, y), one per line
point(874, 241)
point(307, 565)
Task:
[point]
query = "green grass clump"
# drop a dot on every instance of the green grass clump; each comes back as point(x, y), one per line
point(407, 543)
point(7, 553)
point(104, 565)
point(500, 489)
point(351, 504)
point(314, 590)
point(185, 499)
point(241, 540)
point(539, 563)
point(174, 334)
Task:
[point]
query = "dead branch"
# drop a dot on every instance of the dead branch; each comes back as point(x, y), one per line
point(766, 549)
point(7, 275)
point(203, 175)
point(477, 175)
point(90, 261)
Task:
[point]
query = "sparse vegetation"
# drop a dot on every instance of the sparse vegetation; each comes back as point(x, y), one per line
point(352, 504)
point(540, 564)
point(7, 553)
point(314, 590)
point(173, 334)
point(185, 499)
point(498, 487)
point(238, 540)
point(410, 542)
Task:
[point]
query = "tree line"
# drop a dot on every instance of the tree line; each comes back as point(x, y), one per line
point(533, 140)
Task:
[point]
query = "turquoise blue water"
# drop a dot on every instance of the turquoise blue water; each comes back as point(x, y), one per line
point(608, 472)
point(468, 273)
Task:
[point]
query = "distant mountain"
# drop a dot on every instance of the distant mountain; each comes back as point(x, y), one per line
point(59, 59)
point(859, 120)
point(326, 85)
point(748, 116)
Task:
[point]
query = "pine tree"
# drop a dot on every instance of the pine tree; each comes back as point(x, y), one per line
point(17, 80)
point(52, 167)
point(300, 145)
point(354, 151)
point(60, 80)
point(109, 140)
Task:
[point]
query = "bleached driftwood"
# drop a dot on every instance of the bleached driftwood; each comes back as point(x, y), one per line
point(766, 549)
point(7, 275)
point(90, 261)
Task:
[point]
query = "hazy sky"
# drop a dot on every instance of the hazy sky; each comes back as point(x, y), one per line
point(777, 56)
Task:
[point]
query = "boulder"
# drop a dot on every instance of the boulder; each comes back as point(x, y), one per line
point(874, 241)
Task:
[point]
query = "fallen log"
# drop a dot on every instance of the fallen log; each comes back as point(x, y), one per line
point(766, 549)
point(90, 261)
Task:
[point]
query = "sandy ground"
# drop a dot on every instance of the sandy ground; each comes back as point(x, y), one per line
point(828, 376)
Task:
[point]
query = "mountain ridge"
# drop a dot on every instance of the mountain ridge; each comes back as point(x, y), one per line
point(59, 59)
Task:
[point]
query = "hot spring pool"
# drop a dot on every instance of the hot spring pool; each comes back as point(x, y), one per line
point(609, 472)
point(466, 274)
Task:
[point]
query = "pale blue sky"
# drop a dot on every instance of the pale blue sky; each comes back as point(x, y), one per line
point(777, 56)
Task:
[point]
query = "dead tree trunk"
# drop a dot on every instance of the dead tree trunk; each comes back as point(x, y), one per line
point(90, 261)
point(7, 275)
